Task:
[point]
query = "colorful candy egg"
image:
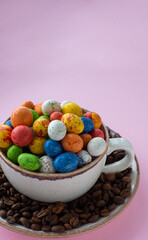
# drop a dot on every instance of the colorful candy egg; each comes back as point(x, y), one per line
point(96, 146)
point(46, 165)
point(57, 130)
point(72, 108)
point(88, 124)
point(21, 116)
point(95, 118)
point(9, 123)
point(56, 116)
point(97, 132)
point(28, 104)
point(13, 153)
point(35, 115)
point(73, 123)
point(37, 145)
point(64, 102)
point(52, 148)
point(29, 161)
point(38, 108)
point(66, 162)
point(22, 135)
point(50, 106)
point(84, 158)
point(46, 117)
point(40, 127)
point(72, 143)
point(5, 136)
point(86, 138)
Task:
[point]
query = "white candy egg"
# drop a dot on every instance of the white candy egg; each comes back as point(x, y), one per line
point(84, 158)
point(57, 130)
point(50, 106)
point(46, 165)
point(96, 146)
point(64, 102)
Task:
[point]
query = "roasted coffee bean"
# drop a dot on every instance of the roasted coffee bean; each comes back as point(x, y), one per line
point(104, 212)
point(8, 202)
point(118, 200)
point(36, 220)
point(125, 193)
point(83, 221)
point(57, 209)
point(46, 228)
point(42, 214)
point(126, 179)
point(3, 213)
point(103, 177)
point(111, 194)
point(66, 218)
point(26, 214)
point(2, 204)
point(111, 207)
point(111, 177)
point(74, 221)
point(58, 229)
point(34, 203)
point(82, 199)
point(17, 196)
point(85, 215)
point(97, 186)
point(54, 220)
point(77, 210)
point(25, 222)
point(6, 184)
point(109, 159)
point(24, 198)
point(17, 215)
point(91, 208)
point(44, 222)
point(101, 203)
point(16, 206)
point(67, 226)
point(106, 197)
point(36, 227)
point(93, 218)
point(107, 186)
point(11, 219)
point(25, 209)
point(10, 213)
point(116, 190)
point(96, 194)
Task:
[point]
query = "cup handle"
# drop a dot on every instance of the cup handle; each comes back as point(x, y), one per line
point(121, 165)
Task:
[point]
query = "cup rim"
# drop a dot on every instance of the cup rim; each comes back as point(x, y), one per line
point(55, 176)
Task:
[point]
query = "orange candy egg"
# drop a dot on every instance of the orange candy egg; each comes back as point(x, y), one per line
point(28, 104)
point(21, 116)
point(38, 108)
point(72, 143)
point(86, 138)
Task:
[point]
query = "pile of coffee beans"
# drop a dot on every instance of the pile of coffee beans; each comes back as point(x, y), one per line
point(108, 192)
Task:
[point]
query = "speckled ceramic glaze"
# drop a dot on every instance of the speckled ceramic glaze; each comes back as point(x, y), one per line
point(66, 186)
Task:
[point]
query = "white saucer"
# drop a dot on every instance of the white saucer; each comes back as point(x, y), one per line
point(87, 227)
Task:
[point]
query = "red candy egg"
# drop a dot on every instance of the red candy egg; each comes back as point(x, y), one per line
point(96, 132)
point(22, 135)
point(56, 116)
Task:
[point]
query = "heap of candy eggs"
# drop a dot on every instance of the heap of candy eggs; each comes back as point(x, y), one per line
point(52, 137)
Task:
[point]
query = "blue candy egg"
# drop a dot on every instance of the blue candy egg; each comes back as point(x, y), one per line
point(66, 162)
point(9, 123)
point(88, 124)
point(52, 148)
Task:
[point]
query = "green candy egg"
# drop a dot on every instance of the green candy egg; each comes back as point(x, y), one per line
point(29, 161)
point(13, 153)
point(35, 114)
point(46, 117)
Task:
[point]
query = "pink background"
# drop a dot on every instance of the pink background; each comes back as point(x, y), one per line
point(94, 53)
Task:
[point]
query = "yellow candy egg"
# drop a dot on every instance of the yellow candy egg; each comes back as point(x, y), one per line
point(5, 136)
point(37, 145)
point(72, 108)
point(40, 127)
point(73, 123)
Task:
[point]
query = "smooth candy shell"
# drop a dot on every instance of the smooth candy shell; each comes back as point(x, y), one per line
point(86, 138)
point(9, 123)
point(66, 162)
point(13, 153)
point(96, 132)
point(37, 145)
point(28, 104)
point(95, 118)
point(88, 125)
point(57, 130)
point(84, 158)
point(64, 102)
point(73, 123)
point(21, 116)
point(72, 143)
point(56, 116)
point(22, 135)
point(72, 108)
point(96, 146)
point(50, 106)
point(46, 165)
point(40, 127)
point(29, 161)
point(38, 108)
point(5, 136)
point(52, 148)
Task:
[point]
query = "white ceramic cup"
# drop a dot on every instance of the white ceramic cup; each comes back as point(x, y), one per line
point(66, 186)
